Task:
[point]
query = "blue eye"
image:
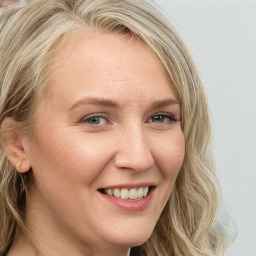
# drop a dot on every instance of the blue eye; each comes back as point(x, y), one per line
point(95, 120)
point(162, 118)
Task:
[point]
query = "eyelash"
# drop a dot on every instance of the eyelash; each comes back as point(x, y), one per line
point(169, 116)
point(96, 115)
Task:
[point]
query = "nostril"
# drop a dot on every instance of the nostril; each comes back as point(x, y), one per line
point(134, 161)
point(133, 152)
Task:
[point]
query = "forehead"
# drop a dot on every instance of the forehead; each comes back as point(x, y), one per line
point(113, 62)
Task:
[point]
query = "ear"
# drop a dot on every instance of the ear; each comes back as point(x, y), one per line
point(12, 142)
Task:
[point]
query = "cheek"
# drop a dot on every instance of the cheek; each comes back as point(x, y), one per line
point(72, 156)
point(170, 156)
point(169, 159)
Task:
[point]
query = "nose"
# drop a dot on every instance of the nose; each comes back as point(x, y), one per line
point(134, 152)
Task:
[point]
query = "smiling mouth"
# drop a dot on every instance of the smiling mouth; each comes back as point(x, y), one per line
point(127, 194)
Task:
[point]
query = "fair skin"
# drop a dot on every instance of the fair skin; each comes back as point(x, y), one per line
point(110, 120)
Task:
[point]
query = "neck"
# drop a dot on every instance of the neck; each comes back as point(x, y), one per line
point(23, 247)
point(50, 235)
point(46, 238)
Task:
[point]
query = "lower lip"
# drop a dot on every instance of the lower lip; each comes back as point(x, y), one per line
point(130, 205)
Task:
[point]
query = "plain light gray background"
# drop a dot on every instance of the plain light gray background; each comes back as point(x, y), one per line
point(222, 37)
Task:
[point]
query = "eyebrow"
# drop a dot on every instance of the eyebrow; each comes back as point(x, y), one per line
point(164, 103)
point(113, 104)
point(95, 101)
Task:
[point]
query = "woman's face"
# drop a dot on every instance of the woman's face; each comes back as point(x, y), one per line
point(109, 125)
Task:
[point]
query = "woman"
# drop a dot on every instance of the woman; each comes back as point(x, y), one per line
point(105, 134)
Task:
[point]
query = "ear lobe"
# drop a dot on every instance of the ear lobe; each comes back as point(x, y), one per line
point(11, 142)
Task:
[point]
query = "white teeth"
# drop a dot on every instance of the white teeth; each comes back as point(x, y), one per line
point(145, 191)
point(140, 193)
point(124, 193)
point(133, 193)
point(109, 192)
point(117, 192)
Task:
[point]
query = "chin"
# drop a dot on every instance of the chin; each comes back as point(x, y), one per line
point(135, 236)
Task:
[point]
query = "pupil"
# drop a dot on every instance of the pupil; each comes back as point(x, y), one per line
point(159, 119)
point(94, 120)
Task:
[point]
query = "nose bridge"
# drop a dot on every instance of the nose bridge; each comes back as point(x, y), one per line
point(134, 150)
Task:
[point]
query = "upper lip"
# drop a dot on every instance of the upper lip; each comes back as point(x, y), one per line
point(129, 185)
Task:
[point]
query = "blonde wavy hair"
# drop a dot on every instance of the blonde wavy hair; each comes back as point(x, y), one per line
point(29, 35)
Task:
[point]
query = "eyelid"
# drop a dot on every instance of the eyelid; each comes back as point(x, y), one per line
point(166, 114)
point(84, 119)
